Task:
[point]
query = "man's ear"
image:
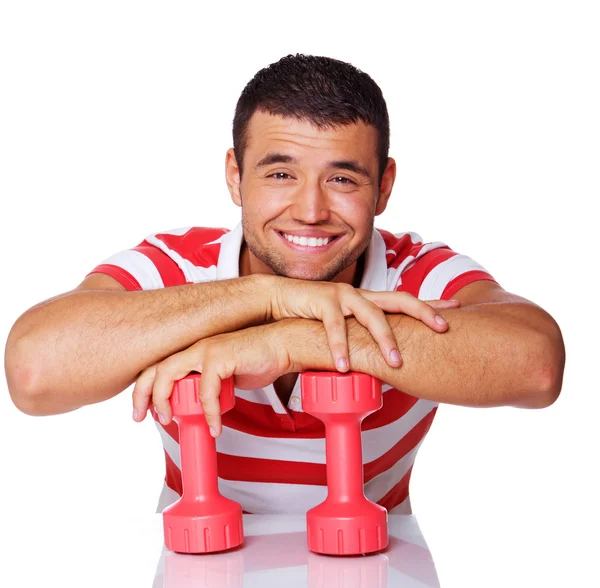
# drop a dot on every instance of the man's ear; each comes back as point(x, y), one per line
point(232, 176)
point(385, 188)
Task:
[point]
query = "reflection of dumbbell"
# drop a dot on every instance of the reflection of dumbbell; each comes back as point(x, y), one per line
point(346, 522)
point(201, 520)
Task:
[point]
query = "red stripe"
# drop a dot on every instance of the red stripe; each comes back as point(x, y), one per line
point(118, 273)
point(254, 469)
point(192, 245)
point(412, 278)
point(169, 271)
point(459, 282)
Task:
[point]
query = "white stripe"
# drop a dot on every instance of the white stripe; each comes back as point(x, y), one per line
point(192, 273)
point(170, 445)
point(442, 274)
point(394, 274)
point(139, 266)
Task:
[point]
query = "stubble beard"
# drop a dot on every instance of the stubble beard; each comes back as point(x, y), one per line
point(282, 268)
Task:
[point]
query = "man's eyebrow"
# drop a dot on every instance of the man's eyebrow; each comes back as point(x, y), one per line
point(350, 165)
point(270, 158)
point(347, 164)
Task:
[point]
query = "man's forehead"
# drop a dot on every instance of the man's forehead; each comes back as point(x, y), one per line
point(268, 132)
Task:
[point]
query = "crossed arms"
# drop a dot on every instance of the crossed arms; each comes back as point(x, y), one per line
point(86, 346)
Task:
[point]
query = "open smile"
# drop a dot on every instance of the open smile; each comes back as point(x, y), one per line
point(308, 244)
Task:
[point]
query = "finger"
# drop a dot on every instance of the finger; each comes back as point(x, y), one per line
point(210, 391)
point(168, 372)
point(142, 392)
point(373, 318)
point(337, 337)
point(408, 304)
point(453, 303)
point(384, 299)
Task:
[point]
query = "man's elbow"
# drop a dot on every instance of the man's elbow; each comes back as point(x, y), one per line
point(548, 381)
point(22, 379)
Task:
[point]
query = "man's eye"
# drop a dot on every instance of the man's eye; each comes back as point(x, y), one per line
point(279, 174)
point(347, 180)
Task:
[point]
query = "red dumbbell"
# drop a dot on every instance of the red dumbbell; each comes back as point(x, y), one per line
point(346, 523)
point(202, 520)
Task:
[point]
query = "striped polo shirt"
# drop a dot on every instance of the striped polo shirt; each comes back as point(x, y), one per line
point(271, 456)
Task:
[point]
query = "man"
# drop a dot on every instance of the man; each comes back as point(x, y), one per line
point(303, 283)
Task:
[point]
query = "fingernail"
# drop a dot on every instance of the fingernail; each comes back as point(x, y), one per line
point(212, 431)
point(342, 364)
point(439, 320)
point(394, 356)
point(162, 419)
point(136, 414)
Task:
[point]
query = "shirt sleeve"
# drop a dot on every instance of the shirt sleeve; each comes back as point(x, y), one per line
point(144, 267)
point(437, 274)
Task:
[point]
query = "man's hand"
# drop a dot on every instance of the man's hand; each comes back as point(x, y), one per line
point(331, 302)
point(253, 356)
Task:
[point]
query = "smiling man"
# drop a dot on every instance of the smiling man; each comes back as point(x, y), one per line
point(304, 282)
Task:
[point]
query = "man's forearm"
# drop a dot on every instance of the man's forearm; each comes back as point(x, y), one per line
point(490, 356)
point(87, 346)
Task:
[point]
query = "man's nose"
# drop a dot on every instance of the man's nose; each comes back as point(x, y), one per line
point(311, 205)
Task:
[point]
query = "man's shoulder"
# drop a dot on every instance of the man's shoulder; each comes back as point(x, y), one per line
point(194, 244)
point(405, 248)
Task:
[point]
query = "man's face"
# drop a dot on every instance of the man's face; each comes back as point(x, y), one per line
point(308, 197)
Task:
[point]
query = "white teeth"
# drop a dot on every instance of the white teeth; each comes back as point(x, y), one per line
point(307, 241)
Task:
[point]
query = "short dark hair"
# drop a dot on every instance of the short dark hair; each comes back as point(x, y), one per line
point(324, 91)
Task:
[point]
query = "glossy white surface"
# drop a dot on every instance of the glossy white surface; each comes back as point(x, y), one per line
point(274, 553)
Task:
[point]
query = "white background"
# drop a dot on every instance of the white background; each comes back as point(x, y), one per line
point(114, 122)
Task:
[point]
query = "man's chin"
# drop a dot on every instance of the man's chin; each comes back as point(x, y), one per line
point(314, 275)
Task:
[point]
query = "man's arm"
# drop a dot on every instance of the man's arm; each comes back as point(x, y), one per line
point(499, 350)
point(89, 344)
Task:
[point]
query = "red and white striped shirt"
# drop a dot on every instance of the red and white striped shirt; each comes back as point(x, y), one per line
point(271, 457)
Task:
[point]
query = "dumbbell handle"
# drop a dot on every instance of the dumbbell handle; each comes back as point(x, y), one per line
point(197, 446)
point(344, 458)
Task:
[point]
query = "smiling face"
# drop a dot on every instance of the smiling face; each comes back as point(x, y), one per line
point(308, 196)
